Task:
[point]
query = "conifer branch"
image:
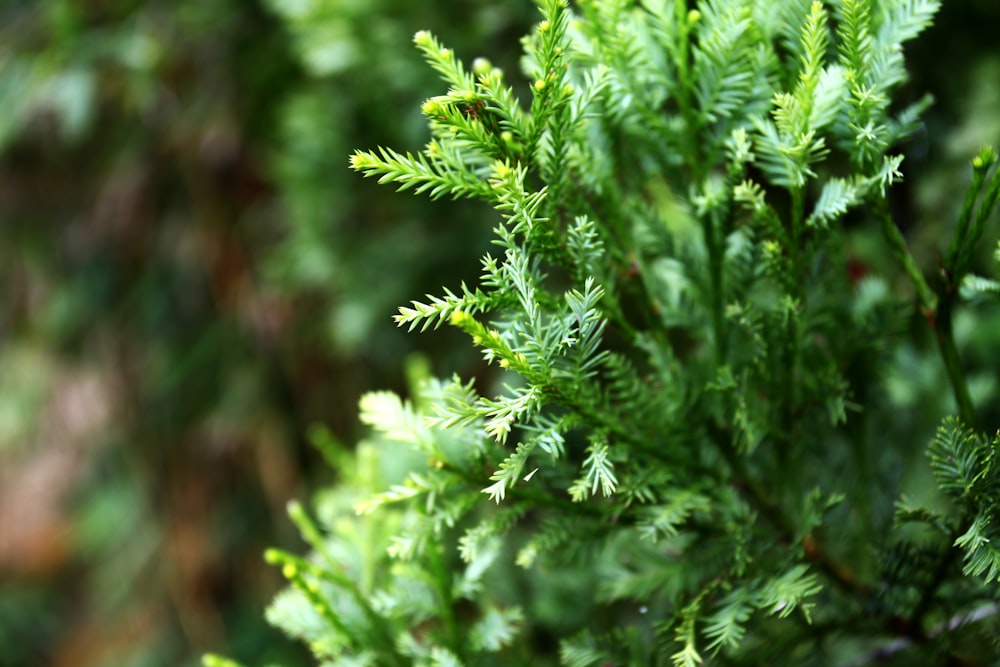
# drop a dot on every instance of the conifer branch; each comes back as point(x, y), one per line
point(674, 351)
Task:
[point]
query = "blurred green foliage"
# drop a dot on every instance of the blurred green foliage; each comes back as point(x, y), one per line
point(191, 278)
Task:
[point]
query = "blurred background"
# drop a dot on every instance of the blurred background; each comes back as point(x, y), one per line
point(193, 285)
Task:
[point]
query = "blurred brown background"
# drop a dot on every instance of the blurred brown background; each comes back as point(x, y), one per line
point(193, 285)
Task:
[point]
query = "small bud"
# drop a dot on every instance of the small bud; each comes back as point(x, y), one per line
point(422, 38)
point(501, 170)
point(482, 66)
point(987, 156)
point(693, 16)
point(540, 85)
point(289, 571)
point(543, 26)
point(361, 161)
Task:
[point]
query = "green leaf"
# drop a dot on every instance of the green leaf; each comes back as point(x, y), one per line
point(496, 629)
point(665, 518)
point(438, 176)
point(727, 625)
point(787, 592)
point(982, 557)
point(953, 453)
point(598, 471)
point(974, 286)
point(582, 651)
point(838, 196)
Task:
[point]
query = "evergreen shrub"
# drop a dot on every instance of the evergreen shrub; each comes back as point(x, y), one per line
point(703, 440)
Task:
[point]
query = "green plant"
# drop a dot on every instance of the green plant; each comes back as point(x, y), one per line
point(698, 440)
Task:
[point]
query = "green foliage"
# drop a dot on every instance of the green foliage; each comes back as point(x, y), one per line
point(372, 591)
point(965, 466)
point(688, 445)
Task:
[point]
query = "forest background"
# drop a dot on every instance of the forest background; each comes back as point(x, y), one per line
point(194, 287)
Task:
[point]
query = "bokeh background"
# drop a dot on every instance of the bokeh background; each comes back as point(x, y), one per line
point(194, 287)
